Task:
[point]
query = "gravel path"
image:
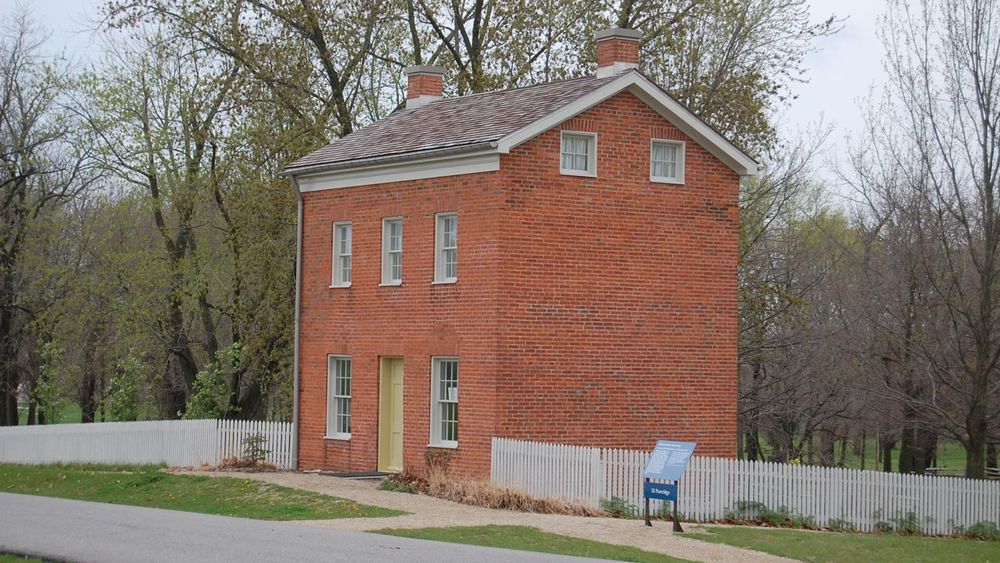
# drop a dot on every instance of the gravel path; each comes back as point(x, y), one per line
point(429, 512)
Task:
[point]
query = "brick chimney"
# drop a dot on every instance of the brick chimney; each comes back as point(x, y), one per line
point(617, 51)
point(424, 85)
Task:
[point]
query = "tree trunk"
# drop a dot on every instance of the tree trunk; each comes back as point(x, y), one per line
point(863, 448)
point(826, 446)
point(975, 450)
point(886, 448)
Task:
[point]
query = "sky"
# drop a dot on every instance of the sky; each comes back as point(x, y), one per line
point(841, 72)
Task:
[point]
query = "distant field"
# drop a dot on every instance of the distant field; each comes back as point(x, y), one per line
point(69, 414)
point(951, 457)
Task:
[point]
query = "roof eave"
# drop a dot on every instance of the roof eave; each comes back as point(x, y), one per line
point(387, 159)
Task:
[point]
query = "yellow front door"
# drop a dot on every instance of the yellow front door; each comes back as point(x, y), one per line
point(390, 419)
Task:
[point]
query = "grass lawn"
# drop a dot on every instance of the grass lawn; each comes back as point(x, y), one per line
point(69, 414)
point(850, 547)
point(530, 539)
point(150, 487)
point(950, 456)
point(9, 558)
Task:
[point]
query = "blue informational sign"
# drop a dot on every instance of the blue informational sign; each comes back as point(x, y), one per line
point(662, 491)
point(668, 460)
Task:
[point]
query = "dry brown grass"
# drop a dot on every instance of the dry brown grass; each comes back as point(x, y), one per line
point(244, 464)
point(483, 493)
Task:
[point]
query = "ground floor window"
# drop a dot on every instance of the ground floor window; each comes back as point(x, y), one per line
point(444, 402)
point(338, 419)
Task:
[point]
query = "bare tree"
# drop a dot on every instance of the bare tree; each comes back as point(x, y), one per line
point(43, 161)
point(939, 139)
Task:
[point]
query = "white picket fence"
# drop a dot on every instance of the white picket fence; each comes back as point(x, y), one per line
point(712, 486)
point(173, 442)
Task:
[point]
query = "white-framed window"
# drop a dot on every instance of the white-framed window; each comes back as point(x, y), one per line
point(578, 153)
point(666, 161)
point(338, 403)
point(446, 248)
point(392, 251)
point(341, 254)
point(444, 402)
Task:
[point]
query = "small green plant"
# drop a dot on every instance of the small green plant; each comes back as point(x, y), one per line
point(255, 448)
point(618, 507)
point(405, 482)
point(751, 511)
point(841, 525)
point(907, 524)
point(983, 530)
point(398, 487)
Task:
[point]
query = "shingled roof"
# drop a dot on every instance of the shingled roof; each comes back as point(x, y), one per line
point(448, 124)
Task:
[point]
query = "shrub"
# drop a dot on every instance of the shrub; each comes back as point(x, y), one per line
point(842, 525)
point(982, 530)
point(908, 524)
point(404, 482)
point(254, 456)
point(618, 507)
point(254, 448)
point(754, 512)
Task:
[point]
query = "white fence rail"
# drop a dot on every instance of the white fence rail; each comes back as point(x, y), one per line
point(173, 442)
point(713, 486)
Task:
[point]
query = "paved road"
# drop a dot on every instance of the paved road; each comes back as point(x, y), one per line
point(80, 531)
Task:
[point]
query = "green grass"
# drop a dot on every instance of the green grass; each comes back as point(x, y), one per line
point(530, 539)
point(852, 547)
point(150, 487)
point(10, 558)
point(950, 456)
point(70, 413)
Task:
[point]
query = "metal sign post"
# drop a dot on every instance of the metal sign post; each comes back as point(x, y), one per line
point(667, 463)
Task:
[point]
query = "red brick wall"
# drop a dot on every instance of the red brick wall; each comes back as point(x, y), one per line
point(619, 311)
point(597, 311)
point(414, 321)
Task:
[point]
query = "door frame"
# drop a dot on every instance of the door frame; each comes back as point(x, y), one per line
point(384, 387)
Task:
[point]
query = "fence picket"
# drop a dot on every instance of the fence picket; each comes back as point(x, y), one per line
point(712, 486)
point(174, 442)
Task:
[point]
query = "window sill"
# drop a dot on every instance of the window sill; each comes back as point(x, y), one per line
point(578, 173)
point(340, 286)
point(660, 180)
point(445, 282)
point(340, 437)
point(391, 284)
point(444, 445)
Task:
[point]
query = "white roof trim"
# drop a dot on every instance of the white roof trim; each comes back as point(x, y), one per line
point(657, 99)
point(399, 171)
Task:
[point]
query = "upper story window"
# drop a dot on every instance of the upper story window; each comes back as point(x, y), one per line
point(392, 251)
point(578, 154)
point(444, 399)
point(666, 162)
point(338, 415)
point(446, 248)
point(341, 254)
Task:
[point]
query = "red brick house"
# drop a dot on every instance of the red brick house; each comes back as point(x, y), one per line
point(556, 262)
